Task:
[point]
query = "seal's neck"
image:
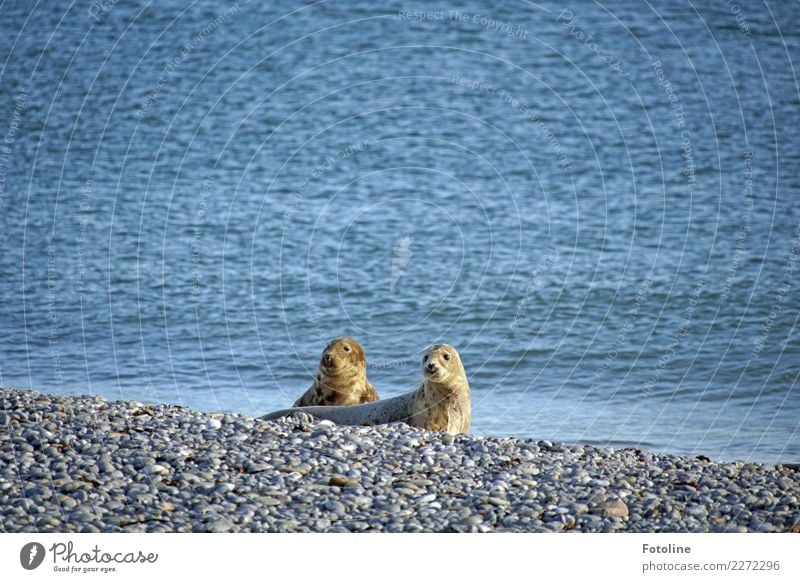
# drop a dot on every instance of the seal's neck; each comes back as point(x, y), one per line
point(346, 376)
point(450, 388)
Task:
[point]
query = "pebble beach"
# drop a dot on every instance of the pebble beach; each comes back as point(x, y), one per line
point(87, 464)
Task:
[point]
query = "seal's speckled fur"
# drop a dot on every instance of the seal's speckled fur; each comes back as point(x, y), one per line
point(341, 378)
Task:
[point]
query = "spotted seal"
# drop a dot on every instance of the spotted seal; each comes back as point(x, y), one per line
point(341, 378)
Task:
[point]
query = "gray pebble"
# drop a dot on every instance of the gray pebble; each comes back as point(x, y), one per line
point(120, 466)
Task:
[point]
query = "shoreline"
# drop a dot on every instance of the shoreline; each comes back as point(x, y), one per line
point(86, 464)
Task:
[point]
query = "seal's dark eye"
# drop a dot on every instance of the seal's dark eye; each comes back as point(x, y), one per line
point(347, 348)
point(425, 359)
point(446, 356)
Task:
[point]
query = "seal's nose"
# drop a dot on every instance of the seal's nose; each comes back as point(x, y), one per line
point(431, 367)
point(328, 359)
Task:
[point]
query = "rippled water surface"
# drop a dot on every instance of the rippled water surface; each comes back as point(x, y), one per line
point(598, 205)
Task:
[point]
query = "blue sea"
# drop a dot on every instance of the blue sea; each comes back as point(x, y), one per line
point(597, 204)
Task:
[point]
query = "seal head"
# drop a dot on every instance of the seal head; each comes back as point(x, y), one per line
point(438, 361)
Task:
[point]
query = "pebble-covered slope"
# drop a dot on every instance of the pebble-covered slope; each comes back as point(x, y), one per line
point(88, 464)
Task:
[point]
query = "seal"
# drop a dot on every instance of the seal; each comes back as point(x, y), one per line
point(441, 402)
point(341, 378)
